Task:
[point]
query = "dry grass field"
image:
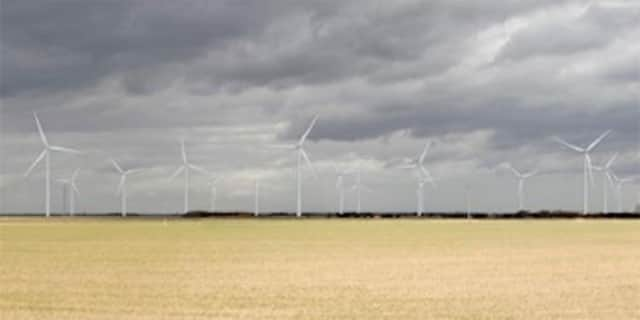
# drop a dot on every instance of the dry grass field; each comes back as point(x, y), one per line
point(111, 268)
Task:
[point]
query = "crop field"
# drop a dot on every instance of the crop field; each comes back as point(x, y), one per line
point(112, 268)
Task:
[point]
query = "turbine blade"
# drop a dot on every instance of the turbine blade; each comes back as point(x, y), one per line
point(74, 175)
point(281, 146)
point(35, 163)
point(117, 166)
point(306, 133)
point(175, 174)
point(43, 137)
point(611, 181)
point(426, 173)
point(306, 159)
point(183, 151)
point(515, 172)
point(627, 180)
point(75, 188)
point(199, 169)
point(135, 171)
point(568, 145)
point(530, 174)
point(63, 149)
point(425, 152)
point(611, 161)
point(595, 143)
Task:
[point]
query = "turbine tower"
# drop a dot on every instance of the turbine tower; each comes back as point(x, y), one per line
point(588, 172)
point(213, 189)
point(522, 179)
point(467, 199)
point(46, 154)
point(256, 208)
point(358, 187)
point(301, 154)
point(607, 175)
point(619, 183)
point(340, 187)
point(186, 167)
point(73, 190)
point(122, 186)
point(420, 192)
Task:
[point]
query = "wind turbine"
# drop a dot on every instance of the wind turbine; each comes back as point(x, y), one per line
point(340, 186)
point(256, 210)
point(424, 175)
point(358, 187)
point(607, 175)
point(619, 183)
point(418, 163)
point(301, 154)
point(45, 154)
point(186, 167)
point(71, 183)
point(588, 172)
point(467, 199)
point(213, 185)
point(420, 192)
point(522, 179)
point(122, 186)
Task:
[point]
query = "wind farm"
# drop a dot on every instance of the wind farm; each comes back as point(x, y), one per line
point(351, 188)
point(274, 159)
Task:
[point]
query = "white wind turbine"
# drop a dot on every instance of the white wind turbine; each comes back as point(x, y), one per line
point(358, 187)
point(122, 185)
point(619, 183)
point(467, 199)
point(186, 167)
point(301, 154)
point(418, 163)
point(45, 154)
point(522, 179)
point(607, 175)
point(256, 204)
point(340, 187)
point(588, 172)
point(424, 175)
point(213, 189)
point(73, 190)
point(420, 192)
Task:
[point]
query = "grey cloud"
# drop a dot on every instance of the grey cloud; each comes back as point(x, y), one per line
point(595, 28)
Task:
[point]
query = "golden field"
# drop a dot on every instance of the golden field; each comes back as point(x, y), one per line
point(112, 268)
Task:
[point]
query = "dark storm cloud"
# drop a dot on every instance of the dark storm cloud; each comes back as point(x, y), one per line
point(63, 45)
point(67, 45)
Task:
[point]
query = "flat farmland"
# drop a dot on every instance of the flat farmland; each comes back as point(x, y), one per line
point(112, 268)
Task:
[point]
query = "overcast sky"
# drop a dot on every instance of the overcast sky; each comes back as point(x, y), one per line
point(489, 82)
